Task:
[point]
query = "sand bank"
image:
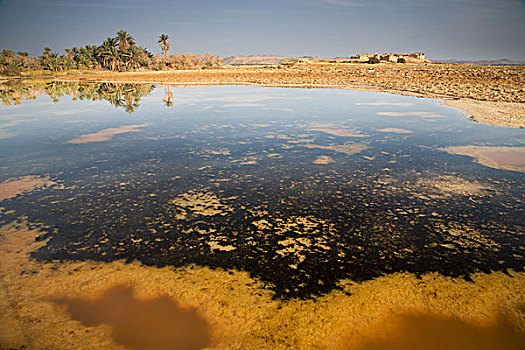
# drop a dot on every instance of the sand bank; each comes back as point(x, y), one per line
point(489, 112)
point(241, 313)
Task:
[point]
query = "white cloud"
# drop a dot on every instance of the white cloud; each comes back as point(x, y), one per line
point(232, 99)
point(410, 114)
point(71, 111)
point(396, 104)
point(243, 105)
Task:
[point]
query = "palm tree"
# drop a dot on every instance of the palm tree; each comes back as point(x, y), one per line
point(8, 55)
point(133, 57)
point(70, 55)
point(108, 54)
point(164, 43)
point(50, 60)
point(124, 40)
point(110, 42)
point(90, 54)
point(115, 58)
point(46, 52)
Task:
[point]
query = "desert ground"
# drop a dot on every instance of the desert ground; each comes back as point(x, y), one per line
point(488, 94)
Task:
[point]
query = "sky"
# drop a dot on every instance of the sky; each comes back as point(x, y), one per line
point(443, 29)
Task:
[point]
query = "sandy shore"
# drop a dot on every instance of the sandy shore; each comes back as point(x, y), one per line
point(396, 311)
point(488, 94)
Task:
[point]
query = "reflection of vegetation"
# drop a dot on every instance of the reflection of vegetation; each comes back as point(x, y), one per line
point(13, 92)
point(168, 97)
point(126, 96)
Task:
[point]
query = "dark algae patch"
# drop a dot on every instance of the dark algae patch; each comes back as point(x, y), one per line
point(231, 178)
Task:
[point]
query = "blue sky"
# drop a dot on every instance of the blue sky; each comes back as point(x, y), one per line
point(461, 29)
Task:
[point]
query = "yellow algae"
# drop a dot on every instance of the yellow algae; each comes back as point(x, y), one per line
point(323, 160)
point(274, 155)
point(262, 224)
point(200, 203)
point(453, 185)
point(15, 186)
point(215, 245)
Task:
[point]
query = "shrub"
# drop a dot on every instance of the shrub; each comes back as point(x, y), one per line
point(9, 71)
point(374, 60)
point(401, 60)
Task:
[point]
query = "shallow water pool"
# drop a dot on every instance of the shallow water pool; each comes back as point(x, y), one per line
point(301, 188)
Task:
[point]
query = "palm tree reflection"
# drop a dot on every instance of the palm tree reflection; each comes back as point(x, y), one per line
point(168, 97)
point(126, 96)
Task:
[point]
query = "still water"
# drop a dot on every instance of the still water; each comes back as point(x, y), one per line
point(300, 188)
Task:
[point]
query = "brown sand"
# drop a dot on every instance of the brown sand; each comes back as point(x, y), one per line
point(431, 332)
point(158, 323)
point(106, 134)
point(490, 112)
point(13, 187)
point(477, 90)
point(509, 158)
point(241, 313)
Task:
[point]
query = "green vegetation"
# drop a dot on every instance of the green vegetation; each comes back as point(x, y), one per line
point(119, 53)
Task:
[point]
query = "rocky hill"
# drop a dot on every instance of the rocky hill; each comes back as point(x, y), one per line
point(500, 62)
point(255, 59)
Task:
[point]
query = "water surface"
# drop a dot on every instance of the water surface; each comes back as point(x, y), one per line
point(301, 188)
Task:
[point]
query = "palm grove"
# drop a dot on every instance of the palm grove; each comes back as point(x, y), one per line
point(119, 53)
